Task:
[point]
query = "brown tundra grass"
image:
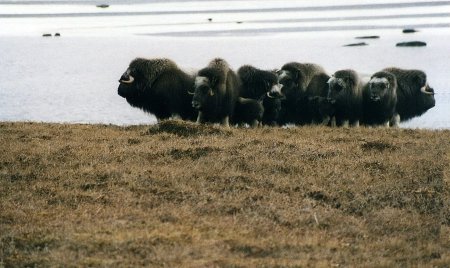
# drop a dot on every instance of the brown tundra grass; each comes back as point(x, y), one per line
point(183, 195)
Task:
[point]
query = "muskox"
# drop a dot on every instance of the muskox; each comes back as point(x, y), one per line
point(248, 111)
point(345, 92)
point(296, 79)
point(216, 92)
point(380, 99)
point(264, 86)
point(159, 87)
point(414, 95)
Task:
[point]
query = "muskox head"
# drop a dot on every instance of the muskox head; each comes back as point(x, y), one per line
point(381, 85)
point(257, 84)
point(341, 83)
point(203, 92)
point(208, 86)
point(134, 80)
point(423, 92)
point(288, 81)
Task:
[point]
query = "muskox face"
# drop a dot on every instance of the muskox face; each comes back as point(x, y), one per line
point(335, 87)
point(380, 85)
point(340, 84)
point(288, 82)
point(203, 91)
point(129, 84)
point(275, 90)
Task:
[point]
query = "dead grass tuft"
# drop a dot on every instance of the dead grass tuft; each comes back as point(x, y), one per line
point(187, 129)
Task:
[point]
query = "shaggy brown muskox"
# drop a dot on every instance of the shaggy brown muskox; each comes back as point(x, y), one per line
point(414, 95)
point(380, 99)
point(262, 85)
point(216, 93)
point(159, 87)
point(296, 78)
point(345, 91)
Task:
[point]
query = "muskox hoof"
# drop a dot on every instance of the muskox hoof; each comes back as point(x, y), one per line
point(103, 6)
point(57, 34)
point(356, 44)
point(411, 44)
point(46, 35)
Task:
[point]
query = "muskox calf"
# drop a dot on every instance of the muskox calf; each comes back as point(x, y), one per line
point(414, 95)
point(159, 87)
point(216, 92)
point(345, 92)
point(380, 99)
point(248, 111)
point(262, 85)
point(320, 109)
point(296, 78)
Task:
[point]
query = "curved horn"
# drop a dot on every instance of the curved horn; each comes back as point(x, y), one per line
point(270, 96)
point(424, 90)
point(129, 81)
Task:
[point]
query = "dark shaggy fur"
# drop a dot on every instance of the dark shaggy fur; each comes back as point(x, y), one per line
point(262, 85)
point(216, 93)
point(248, 111)
point(158, 87)
point(379, 99)
point(296, 79)
point(411, 102)
point(345, 90)
point(320, 109)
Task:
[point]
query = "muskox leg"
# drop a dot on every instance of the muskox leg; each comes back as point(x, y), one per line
point(356, 123)
point(333, 121)
point(345, 123)
point(395, 121)
point(255, 123)
point(200, 118)
point(325, 121)
point(226, 121)
point(386, 124)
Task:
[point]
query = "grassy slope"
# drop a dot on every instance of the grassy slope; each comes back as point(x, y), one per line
point(178, 194)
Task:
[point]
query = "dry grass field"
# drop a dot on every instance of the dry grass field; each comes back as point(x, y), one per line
point(183, 195)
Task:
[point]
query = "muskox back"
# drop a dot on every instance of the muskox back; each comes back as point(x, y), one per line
point(159, 87)
point(414, 95)
point(345, 91)
point(216, 92)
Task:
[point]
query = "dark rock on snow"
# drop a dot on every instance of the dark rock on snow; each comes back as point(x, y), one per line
point(356, 44)
point(411, 44)
point(368, 37)
point(410, 30)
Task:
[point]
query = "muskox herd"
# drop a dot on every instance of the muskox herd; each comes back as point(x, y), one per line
point(298, 93)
